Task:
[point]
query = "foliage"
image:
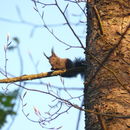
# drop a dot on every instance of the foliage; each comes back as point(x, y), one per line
point(7, 104)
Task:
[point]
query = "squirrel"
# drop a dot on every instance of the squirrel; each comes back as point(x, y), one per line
point(57, 63)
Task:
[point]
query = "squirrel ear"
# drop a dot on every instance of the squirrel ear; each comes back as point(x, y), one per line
point(45, 55)
point(52, 52)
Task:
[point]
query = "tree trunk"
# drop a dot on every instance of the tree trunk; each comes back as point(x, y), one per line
point(107, 86)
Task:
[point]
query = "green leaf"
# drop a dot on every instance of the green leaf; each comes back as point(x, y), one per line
point(7, 103)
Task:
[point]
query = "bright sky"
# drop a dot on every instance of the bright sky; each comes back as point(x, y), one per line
point(34, 41)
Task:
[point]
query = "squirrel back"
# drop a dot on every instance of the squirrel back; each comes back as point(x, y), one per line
point(57, 63)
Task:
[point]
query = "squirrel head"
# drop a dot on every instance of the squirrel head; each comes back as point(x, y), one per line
point(56, 62)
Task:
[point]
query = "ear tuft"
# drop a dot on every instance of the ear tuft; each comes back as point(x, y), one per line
point(52, 52)
point(45, 55)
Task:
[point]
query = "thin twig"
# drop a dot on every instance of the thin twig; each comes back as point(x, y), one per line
point(68, 103)
point(50, 31)
point(99, 19)
point(69, 25)
point(102, 121)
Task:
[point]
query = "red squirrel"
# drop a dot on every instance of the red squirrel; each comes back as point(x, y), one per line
point(57, 63)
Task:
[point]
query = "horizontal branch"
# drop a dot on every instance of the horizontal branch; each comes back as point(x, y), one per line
point(38, 76)
point(32, 76)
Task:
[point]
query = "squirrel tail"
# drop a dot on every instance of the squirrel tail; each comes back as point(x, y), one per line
point(78, 66)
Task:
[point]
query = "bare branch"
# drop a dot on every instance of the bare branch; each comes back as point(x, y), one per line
point(68, 103)
point(70, 25)
point(37, 76)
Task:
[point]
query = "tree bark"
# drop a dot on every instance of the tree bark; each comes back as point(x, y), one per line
point(107, 85)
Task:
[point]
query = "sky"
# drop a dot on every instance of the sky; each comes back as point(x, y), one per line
point(19, 18)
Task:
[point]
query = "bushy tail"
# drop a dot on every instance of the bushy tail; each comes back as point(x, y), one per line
point(78, 68)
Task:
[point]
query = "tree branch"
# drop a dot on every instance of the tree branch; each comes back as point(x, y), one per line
point(37, 76)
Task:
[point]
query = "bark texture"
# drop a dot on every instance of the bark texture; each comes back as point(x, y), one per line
point(107, 86)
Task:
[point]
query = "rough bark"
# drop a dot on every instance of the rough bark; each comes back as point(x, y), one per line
point(107, 86)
